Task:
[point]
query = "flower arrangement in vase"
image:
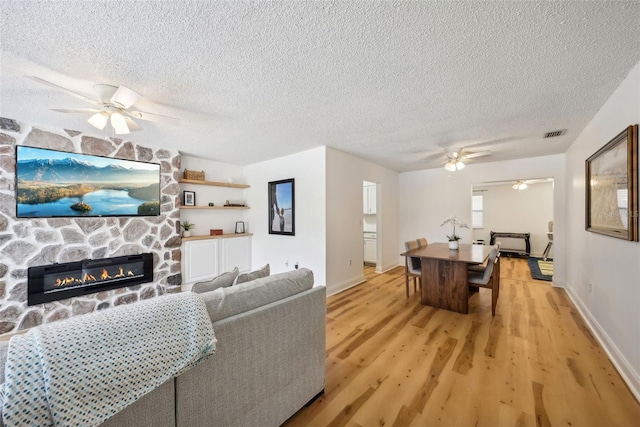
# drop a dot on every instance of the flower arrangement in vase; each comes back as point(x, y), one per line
point(454, 243)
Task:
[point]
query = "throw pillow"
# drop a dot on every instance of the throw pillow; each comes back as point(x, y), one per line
point(259, 273)
point(222, 281)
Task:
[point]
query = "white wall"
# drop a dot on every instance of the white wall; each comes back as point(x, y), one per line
point(611, 265)
point(345, 175)
point(208, 219)
point(308, 246)
point(427, 197)
point(518, 211)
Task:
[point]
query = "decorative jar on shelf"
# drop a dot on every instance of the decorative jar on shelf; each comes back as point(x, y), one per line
point(186, 233)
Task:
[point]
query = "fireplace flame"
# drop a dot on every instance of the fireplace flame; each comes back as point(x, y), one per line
point(66, 281)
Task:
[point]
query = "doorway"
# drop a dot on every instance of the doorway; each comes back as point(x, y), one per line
point(518, 214)
point(370, 223)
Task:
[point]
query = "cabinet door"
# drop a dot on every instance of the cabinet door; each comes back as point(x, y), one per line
point(370, 250)
point(369, 199)
point(200, 260)
point(365, 200)
point(235, 252)
point(372, 199)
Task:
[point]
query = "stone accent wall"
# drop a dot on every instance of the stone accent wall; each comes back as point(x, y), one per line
point(30, 242)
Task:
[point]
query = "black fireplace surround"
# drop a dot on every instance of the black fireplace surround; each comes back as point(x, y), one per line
point(59, 281)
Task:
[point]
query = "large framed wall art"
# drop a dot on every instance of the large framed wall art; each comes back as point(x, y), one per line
point(612, 187)
point(282, 218)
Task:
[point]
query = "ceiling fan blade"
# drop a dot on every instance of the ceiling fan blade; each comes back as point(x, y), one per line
point(125, 97)
point(537, 180)
point(476, 154)
point(132, 125)
point(76, 110)
point(154, 117)
point(70, 92)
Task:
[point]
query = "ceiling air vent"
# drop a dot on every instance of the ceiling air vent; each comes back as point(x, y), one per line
point(555, 133)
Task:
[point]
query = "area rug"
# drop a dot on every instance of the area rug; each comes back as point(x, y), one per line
point(540, 269)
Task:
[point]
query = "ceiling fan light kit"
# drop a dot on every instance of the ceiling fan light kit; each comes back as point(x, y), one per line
point(455, 159)
point(453, 165)
point(119, 124)
point(99, 120)
point(520, 185)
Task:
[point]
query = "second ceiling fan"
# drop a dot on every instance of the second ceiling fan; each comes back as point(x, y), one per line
point(455, 159)
point(112, 106)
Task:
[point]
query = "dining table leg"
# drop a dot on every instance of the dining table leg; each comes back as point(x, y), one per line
point(445, 285)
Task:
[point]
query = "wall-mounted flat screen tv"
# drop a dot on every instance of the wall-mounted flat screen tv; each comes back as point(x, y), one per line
point(53, 183)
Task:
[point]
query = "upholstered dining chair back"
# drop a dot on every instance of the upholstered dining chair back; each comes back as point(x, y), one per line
point(412, 266)
point(483, 279)
point(489, 278)
point(422, 242)
point(414, 263)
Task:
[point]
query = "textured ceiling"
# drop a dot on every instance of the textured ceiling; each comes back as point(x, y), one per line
point(397, 83)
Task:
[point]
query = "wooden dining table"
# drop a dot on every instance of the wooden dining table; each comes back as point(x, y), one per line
point(444, 273)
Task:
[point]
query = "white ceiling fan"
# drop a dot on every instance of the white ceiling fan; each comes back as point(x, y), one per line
point(112, 106)
point(522, 184)
point(455, 159)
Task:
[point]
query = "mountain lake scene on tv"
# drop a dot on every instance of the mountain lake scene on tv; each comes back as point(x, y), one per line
point(53, 183)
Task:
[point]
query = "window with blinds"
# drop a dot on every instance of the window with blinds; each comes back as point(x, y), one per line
point(477, 216)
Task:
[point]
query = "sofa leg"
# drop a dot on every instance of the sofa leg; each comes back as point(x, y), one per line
point(314, 398)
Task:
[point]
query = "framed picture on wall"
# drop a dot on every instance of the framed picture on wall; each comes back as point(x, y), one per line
point(189, 198)
point(282, 207)
point(611, 184)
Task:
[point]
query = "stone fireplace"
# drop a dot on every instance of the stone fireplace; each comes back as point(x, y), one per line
point(29, 243)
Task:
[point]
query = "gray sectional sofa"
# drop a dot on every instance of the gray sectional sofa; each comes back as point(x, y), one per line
point(269, 361)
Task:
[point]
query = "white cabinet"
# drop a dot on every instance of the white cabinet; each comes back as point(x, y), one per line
point(199, 260)
point(206, 258)
point(369, 199)
point(235, 252)
point(370, 248)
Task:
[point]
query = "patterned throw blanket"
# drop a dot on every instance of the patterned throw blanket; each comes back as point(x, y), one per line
point(83, 370)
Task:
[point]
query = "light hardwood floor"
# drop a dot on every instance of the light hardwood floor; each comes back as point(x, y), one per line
point(393, 362)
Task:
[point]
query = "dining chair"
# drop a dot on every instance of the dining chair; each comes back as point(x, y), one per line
point(489, 278)
point(422, 242)
point(411, 266)
point(481, 267)
point(545, 255)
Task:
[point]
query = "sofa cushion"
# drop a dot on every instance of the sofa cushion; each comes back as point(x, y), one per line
point(221, 281)
point(259, 273)
point(226, 302)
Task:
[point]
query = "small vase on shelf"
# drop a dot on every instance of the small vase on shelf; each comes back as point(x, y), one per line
point(454, 245)
point(186, 233)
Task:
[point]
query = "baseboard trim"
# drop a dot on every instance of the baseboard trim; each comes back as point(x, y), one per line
point(344, 285)
point(386, 268)
point(626, 371)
